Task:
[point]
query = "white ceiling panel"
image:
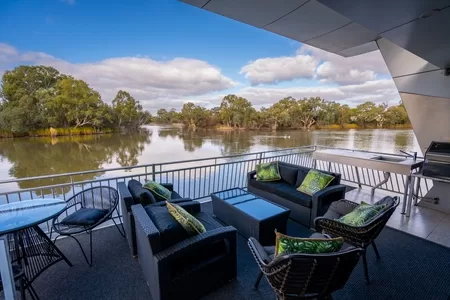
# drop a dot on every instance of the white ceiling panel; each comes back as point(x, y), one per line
point(254, 12)
point(427, 38)
point(382, 15)
point(198, 3)
point(346, 37)
point(361, 49)
point(311, 20)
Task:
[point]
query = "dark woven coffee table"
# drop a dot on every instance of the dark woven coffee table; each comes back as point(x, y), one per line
point(251, 215)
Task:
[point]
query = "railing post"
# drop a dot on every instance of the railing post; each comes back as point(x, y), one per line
point(153, 172)
point(329, 166)
point(357, 177)
point(146, 173)
point(260, 158)
point(314, 164)
point(73, 185)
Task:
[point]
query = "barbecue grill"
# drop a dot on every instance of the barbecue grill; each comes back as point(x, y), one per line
point(437, 160)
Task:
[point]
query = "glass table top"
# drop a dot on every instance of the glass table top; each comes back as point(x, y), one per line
point(23, 214)
point(251, 204)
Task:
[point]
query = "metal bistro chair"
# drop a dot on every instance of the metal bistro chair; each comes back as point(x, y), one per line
point(24, 283)
point(85, 211)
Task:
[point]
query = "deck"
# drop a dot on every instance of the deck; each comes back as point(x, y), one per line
point(410, 268)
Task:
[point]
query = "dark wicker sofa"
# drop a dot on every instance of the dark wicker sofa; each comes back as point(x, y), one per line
point(304, 208)
point(133, 193)
point(177, 266)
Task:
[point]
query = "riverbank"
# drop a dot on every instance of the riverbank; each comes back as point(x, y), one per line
point(52, 132)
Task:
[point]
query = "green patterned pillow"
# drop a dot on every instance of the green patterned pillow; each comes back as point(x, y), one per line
point(286, 245)
point(157, 189)
point(314, 182)
point(188, 221)
point(361, 214)
point(268, 172)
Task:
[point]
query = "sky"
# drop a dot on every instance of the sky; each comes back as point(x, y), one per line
point(166, 53)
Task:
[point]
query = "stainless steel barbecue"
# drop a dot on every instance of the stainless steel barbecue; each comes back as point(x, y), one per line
point(437, 160)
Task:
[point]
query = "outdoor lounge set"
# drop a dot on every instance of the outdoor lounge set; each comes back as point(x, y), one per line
point(185, 253)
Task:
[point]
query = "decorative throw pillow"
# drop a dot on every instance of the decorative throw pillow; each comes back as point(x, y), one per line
point(361, 214)
point(268, 172)
point(157, 189)
point(314, 182)
point(286, 245)
point(188, 221)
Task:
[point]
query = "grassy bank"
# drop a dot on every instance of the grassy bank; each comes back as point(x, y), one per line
point(49, 132)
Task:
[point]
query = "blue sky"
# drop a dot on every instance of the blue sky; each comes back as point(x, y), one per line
point(94, 39)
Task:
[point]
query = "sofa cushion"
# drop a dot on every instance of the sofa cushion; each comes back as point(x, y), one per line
point(285, 244)
point(208, 222)
point(362, 214)
point(139, 194)
point(175, 195)
point(188, 221)
point(171, 232)
point(290, 193)
point(159, 191)
point(268, 186)
point(288, 174)
point(268, 172)
point(314, 182)
point(85, 217)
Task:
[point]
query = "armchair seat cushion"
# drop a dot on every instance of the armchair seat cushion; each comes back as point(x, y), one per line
point(85, 217)
point(175, 195)
point(208, 222)
point(290, 193)
point(170, 231)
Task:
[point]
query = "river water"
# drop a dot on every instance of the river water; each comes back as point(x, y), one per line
point(25, 157)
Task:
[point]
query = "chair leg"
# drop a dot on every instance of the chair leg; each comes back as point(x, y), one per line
point(81, 247)
point(258, 279)
point(376, 250)
point(122, 232)
point(366, 271)
point(31, 290)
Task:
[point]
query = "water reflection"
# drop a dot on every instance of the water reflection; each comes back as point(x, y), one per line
point(45, 156)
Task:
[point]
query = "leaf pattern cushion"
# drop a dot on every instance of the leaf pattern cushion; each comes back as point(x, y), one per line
point(268, 172)
point(186, 220)
point(361, 214)
point(314, 182)
point(287, 245)
point(157, 189)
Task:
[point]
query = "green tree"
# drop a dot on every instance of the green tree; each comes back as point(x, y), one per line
point(194, 115)
point(236, 111)
point(128, 112)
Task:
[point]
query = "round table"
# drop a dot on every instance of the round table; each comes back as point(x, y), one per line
point(19, 224)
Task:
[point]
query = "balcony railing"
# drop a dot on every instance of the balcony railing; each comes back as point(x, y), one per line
point(196, 178)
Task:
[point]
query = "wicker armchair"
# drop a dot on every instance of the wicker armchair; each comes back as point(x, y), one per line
point(100, 198)
point(361, 236)
point(305, 276)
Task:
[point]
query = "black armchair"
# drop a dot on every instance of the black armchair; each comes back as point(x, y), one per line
point(190, 268)
point(127, 200)
point(359, 236)
point(305, 276)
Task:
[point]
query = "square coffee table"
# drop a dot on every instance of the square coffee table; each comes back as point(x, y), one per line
point(251, 215)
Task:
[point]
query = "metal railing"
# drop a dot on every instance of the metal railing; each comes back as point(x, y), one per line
point(196, 178)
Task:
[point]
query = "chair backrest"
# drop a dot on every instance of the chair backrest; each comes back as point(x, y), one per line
point(305, 170)
point(296, 276)
point(101, 197)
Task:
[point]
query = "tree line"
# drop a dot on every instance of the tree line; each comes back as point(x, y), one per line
point(287, 113)
point(34, 98)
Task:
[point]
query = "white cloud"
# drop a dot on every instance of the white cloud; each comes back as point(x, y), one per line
point(146, 79)
point(310, 62)
point(273, 70)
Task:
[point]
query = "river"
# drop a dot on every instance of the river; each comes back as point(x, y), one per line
point(25, 157)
